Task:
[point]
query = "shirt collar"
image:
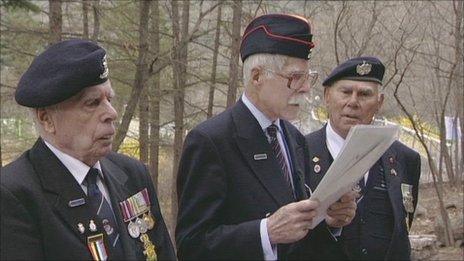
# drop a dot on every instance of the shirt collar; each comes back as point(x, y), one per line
point(262, 119)
point(77, 168)
point(335, 142)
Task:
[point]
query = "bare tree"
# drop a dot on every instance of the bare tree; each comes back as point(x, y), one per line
point(140, 75)
point(233, 65)
point(96, 20)
point(155, 96)
point(214, 66)
point(85, 18)
point(179, 67)
point(56, 21)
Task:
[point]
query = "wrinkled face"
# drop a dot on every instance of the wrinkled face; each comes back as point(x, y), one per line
point(82, 126)
point(352, 102)
point(274, 98)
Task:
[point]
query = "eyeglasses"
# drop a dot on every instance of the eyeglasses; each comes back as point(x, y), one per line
point(297, 79)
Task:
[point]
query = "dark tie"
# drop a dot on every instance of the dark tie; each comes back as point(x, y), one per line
point(101, 206)
point(279, 154)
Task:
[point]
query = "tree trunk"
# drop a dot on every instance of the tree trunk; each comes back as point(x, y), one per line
point(140, 76)
point(143, 127)
point(209, 113)
point(155, 97)
point(56, 21)
point(235, 45)
point(85, 19)
point(458, 7)
point(179, 76)
point(96, 20)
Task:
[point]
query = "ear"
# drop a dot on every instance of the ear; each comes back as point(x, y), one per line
point(45, 119)
point(380, 101)
point(256, 78)
point(326, 95)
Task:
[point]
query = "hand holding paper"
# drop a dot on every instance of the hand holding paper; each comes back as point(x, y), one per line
point(364, 145)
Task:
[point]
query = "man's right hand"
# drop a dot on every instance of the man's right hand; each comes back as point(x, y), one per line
point(291, 222)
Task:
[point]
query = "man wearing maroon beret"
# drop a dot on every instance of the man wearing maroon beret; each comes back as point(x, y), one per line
point(241, 180)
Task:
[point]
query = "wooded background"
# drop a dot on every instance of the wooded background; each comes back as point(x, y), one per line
point(174, 64)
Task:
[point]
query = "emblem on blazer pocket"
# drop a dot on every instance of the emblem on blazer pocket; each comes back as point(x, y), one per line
point(406, 191)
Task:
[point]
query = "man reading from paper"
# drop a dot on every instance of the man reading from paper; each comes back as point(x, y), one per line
point(389, 190)
point(241, 177)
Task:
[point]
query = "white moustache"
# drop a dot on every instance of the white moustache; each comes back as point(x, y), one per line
point(297, 100)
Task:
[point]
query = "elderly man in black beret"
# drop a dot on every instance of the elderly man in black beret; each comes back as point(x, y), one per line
point(241, 178)
point(69, 197)
point(389, 189)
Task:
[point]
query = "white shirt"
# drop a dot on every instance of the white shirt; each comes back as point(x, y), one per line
point(79, 170)
point(269, 251)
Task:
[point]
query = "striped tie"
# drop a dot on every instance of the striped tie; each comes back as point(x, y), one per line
point(99, 204)
point(278, 152)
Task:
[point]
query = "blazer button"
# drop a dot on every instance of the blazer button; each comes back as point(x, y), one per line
point(364, 251)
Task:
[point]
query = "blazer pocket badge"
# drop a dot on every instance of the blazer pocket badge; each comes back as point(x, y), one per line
point(406, 191)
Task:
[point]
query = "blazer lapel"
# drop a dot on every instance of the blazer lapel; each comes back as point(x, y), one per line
point(61, 188)
point(252, 142)
point(319, 157)
point(115, 180)
point(296, 151)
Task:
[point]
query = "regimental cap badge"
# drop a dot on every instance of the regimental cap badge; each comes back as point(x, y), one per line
point(105, 68)
point(364, 68)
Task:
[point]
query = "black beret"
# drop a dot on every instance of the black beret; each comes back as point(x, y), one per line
point(60, 72)
point(361, 68)
point(277, 34)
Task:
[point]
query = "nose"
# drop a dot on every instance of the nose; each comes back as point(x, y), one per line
point(110, 113)
point(353, 100)
point(306, 87)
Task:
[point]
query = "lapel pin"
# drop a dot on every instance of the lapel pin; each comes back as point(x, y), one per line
point(76, 202)
point(262, 156)
point(107, 226)
point(317, 168)
point(393, 172)
point(315, 159)
point(92, 226)
point(391, 159)
point(81, 228)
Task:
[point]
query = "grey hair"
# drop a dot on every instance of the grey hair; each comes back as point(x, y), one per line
point(33, 114)
point(274, 62)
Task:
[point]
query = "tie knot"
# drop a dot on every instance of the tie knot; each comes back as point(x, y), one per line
point(92, 176)
point(272, 130)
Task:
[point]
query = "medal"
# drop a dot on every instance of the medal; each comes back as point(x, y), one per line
point(142, 225)
point(149, 249)
point(133, 229)
point(149, 220)
point(97, 247)
point(107, 226)
point(81, 228)
point(92, 226)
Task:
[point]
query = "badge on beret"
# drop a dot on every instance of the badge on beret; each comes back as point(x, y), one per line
point(104, 75)
point(364, 68)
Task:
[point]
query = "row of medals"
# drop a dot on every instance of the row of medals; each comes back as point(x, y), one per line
point(139, 228)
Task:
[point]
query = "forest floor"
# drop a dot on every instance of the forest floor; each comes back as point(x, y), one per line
point(428, 216)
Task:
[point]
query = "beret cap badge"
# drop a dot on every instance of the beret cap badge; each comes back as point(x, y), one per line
point(104, 75)
point(364, 68)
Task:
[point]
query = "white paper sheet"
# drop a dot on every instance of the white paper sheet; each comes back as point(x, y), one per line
point(364, 145)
